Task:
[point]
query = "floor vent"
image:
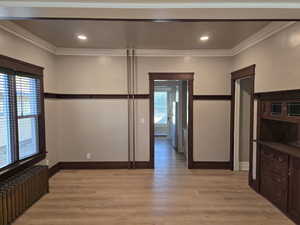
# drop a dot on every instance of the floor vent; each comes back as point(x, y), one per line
point(21, 191)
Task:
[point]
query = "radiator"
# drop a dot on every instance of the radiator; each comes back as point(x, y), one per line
point(21, 191)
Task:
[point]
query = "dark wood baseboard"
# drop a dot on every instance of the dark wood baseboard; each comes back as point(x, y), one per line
point(127, 165)
point(143, 165)
point(212, 97)
point(53, 170)
point(211, 165)
point(104, 165)
point(97, 165)
point(94, 165)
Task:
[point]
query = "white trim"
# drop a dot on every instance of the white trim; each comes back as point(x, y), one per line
point(199, 53)
point(264, 33)
point(244, 166)
point(90, 52)
point(254, 39)
point(236, 152)
point(27, 36)
point(144, 52)
point(149, 5)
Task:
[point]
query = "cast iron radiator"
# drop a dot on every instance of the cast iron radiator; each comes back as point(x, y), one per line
point(21, 191)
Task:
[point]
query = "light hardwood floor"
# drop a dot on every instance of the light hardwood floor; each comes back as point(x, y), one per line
point(164, 196)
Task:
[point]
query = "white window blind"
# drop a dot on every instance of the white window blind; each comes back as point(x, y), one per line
point(5, 122)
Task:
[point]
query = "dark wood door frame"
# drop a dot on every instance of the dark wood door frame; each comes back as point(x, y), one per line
point(189, 77)
point(236, 75)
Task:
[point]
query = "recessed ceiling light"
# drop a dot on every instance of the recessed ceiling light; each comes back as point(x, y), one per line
point(204, 38)
point(81, 37)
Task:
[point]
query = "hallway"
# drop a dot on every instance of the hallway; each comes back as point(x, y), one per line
point(166, 157)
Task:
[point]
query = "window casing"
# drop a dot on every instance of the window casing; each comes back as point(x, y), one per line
point(22, 135)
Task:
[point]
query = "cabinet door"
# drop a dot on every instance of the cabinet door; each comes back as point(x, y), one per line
point(274, 188)
point(294, 192)
point(274, 177)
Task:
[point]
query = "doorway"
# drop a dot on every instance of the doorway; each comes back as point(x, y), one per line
point(243, 91)
point(243, 154)
point(171, 110)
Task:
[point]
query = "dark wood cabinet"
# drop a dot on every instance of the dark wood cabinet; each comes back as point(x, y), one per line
point(294, 190)
point(280, 179)
point(278, 168)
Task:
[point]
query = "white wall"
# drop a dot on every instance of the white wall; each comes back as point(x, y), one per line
point(52, 114)
point(211, 130)
point(14, 47)
point(91, 74)
point(276, 59)
point(142, 131)
point(212, 74)
point(107, 75)
point(97, 126)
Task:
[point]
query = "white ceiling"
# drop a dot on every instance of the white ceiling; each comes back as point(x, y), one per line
point(141, 35)
point(151, 9)
point(150, 3)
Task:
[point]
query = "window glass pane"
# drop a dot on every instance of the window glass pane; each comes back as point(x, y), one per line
point(293, 108)
point(28, 142)
point(27, 104)
point(160, 107)
point(5, 141)
point(26, 96)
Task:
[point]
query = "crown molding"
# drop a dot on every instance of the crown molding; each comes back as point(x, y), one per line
point(264, 33)
point(174, 53)
point(24, 34)
point(144, 52)
point(90, 52)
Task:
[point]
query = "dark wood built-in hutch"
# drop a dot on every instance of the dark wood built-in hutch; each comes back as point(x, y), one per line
point(278, 167)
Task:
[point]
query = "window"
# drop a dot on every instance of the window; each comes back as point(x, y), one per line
point(21, 118)
point(161, 107)
point(27, 102)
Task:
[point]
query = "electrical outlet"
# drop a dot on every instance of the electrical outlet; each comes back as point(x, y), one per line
point(88, 155)
point(142, 120)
